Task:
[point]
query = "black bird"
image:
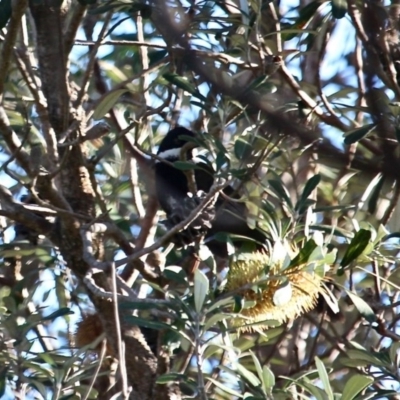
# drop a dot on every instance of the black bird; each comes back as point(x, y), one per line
point(172, 190)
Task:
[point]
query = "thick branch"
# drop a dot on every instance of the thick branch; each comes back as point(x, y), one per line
point(18, 213)
point(18, 10)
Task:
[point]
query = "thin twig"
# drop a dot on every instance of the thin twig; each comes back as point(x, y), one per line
point(120, 343)
point(92, 60)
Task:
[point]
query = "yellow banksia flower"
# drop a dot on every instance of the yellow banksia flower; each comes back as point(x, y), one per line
point(275, 290)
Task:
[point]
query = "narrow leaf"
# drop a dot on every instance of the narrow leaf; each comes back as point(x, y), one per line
point(3, 380)
point(304, 254)
point(375, 194)
point(248, 375)
point(358, 134)
point(201, 286)
point(225, 388)
point(268, 378)
point(146, 323)
point(59, 313)
point(107, 103)
point(355, 385)
point(356, 246)
point(183, 83)
point(258, 367)
point(311, 184)
point(363, 308)
point(323, 375)
point(242, 149)
point(281, 191)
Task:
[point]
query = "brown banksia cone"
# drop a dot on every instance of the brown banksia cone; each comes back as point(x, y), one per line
point(88, 330)
point(276, 287)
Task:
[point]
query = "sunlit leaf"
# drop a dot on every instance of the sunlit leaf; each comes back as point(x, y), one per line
point(201, 287)
point(107, 103)
point(268, 378)
point(248, 375)
point(375, 195)
point(323, 375)
point(355, 385)
point(226, 388)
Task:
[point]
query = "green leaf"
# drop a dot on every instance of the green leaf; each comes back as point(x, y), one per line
point(355, 385)
point(3, 380)
point(281, 191)
point(268, 378)
point(339, 8)
point(323, 375)
point(156, 56)
point(183, 83)
point(363, 308)
point(258, 366)
point(176, 274)
point(107, 103)
point(375, 194)
point(171, 377)
point(311, 184)
point(359, 133)
point(242, 149)
point(363, 355)
point(248, 375)
point(318, 393)
point(146, 323)
point(59, 313)
point(214, 319)
point(356, 247)
point(185, 165)
point(201, 287)
point(225, 388)
point(304, 254)
point(5, 12)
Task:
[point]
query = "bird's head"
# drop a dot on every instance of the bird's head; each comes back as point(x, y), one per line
point(173, 142)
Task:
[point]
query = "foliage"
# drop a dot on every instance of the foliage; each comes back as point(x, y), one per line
point(298, 108)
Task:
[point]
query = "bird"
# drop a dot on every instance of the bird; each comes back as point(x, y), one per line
point(175, 199)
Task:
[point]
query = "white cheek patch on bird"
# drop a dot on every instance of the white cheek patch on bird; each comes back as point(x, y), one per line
point(171, 154)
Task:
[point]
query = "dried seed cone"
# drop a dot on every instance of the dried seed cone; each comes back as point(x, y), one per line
point(88, 330)
point(304, 288)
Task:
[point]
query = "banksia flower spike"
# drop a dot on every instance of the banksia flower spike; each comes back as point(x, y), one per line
point(279, 287)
